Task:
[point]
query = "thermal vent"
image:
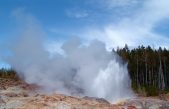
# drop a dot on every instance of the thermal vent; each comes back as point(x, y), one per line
point(82, 70)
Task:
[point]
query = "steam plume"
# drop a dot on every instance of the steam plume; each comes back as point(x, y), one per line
point(82, 70)
point(88, 70)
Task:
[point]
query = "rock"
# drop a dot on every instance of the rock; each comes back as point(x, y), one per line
point(148, 103)
point(2, 101)
point(11, 94)
point(100, 100)
point(131, 107)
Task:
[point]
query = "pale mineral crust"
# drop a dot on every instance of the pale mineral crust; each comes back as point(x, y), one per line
point(16, 94)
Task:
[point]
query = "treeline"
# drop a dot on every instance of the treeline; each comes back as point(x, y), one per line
point(148, 69)
point(8, 73)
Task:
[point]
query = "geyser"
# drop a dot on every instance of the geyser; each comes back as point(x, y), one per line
point(87, 70)
point(83, 70)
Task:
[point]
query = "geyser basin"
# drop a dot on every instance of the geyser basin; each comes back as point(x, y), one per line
point(82, 70)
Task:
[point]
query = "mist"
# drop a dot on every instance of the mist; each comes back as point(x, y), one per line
point(82, 70)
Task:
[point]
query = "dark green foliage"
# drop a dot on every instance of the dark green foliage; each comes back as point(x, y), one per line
point(148, 68)
point(8, 73)
point(151, 91)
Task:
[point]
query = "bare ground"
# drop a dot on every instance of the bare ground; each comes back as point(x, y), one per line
point(16, 94)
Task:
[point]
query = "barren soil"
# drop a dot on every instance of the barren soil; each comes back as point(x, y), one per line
point(16, 94)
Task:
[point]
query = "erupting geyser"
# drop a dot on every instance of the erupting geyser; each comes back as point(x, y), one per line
point(88, 70)
point(82, 70)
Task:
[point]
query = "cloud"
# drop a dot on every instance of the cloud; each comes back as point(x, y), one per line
point(76, 13)
point(136, 29)
point(54, 47)
point(120, 3)
point(118, 7)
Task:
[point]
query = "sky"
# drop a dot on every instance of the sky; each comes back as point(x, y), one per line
point(114, 22)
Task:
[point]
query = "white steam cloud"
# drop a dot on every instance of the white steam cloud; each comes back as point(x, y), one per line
point(82, 70)
point(87, 70)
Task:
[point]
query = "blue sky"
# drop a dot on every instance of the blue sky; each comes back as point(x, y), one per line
point(114, 22)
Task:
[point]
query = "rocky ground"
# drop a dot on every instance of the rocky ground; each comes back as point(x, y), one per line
point(16, 94)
